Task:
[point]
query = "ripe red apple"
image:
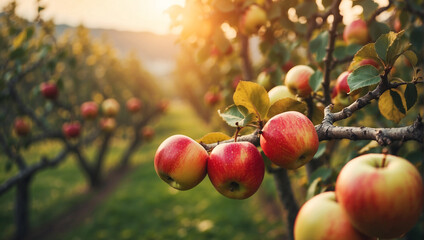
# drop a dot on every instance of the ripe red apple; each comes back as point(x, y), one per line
point(356, 32)
point(211, 98)
point(297, 80)
point(49, 90)
point(321, 218)
point(253, 18)
point(341, 85)
point(89, 110)
point(148, 133)
point(107, 124)
point(289, 140)
point(134, 105)
point(110, 107)
point(21, 127)
point(71, 129)
point(181, 162)
point(278, 93)
point(236, 170)
point(381, 201)
point(371, 62)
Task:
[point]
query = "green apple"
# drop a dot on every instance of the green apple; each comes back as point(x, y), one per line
point(253, 18)
point(278, 93)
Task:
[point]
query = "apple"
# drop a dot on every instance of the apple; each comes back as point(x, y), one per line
point(148, 133)
point(110, 107)
point(322, 217)
point(49, 90)
point(278, 93)
point(211, 98)
point(397, 25)
point(253, 18)
point(297, 80)
point(181, 162)
point(383, 201)
point(236, 81)
point(21, 126)
point(356, 32)
point(236, 169)
point(163, 105)
point(289, 140)
point(134, 105)
point(107, 124)
point(89, 110)
point(71, 129)
point(287, 66)
point(216, 52)
point(341, 85)
point(371, 62)
point(264, 79)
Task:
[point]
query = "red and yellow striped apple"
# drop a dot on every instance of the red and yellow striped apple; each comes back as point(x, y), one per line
point(181, 162)
point(236, 170)
point(356, 32)
point(289, 140)
point(322, 218)
point(383, 201)
point(297, 80)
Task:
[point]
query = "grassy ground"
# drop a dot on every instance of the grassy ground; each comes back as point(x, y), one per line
point(144, 207)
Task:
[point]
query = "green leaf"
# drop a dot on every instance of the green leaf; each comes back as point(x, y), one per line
point(417, 37)
point(313, 189)
point(318, 46)
point(397, 100)
point(411, 56)
point(252, 96)
point(286, 104)
point(376, 29)
point(321, 150)
point(214, 137)
point(315, 80)
point(388, 108)
point(397, 48)
point(363, 76)
point(383, 43)
point(411, 95)
point(322, 172)
point(366, 52)
point(368, 6)
point(236, 116)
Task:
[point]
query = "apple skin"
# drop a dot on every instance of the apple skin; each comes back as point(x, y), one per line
point(134, 105)
point(212, 98)
point(369, 62)
point(21, 127)
point(181, 162)
point(289, 140)
point(71, 129)
point(382, 202)
point(253, 18)
point(49, 90)
point(322, 218)
point(236, 169)
point(278, 93)
point(89, 110)
point(107, 124)
point(356, 32)
point(341, 85)
point(148, 133)
point(110, 107)
point(297, 80)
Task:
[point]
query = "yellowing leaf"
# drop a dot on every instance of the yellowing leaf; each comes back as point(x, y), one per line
point(286, 104)
point(252, 96)
point(388, 107)
point(17, 42)
point(366, 52)
point(372, 144)
point(317, 114)
point(214, 137)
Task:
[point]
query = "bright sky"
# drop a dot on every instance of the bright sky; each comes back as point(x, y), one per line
point(131, 15)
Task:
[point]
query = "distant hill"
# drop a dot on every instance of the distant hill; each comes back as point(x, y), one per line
point(157, 52)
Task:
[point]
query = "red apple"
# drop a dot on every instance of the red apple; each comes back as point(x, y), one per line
point(278, 93)
point(89, 110)
point(212, 98)
point(371, 62)
point(341, 85)
point(21, 126)
point(383, 201)
point(49, 90)
point(287, 66)
point(289, 140)
point(253, 18)
point(236, 170)
point(181, 162)
point(297, 80)
point(134, 105)
point(110, 107)
point(71, 129)
point(148, 133)
point(236, 81)
point(107, 124)
point(321, 218)
point(356, 32)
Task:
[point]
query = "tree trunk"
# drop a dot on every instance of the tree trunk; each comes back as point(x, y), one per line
point(22, 208)
point(130, 150)
point(285, 193)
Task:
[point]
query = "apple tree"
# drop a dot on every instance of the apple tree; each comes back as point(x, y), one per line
point(357, 82)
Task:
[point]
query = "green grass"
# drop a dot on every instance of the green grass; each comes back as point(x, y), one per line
point(144, 207)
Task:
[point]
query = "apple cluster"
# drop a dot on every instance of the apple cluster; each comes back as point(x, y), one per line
point(376, 196)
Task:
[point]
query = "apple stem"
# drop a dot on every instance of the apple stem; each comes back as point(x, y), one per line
point(237, 132)
point(383, 161)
